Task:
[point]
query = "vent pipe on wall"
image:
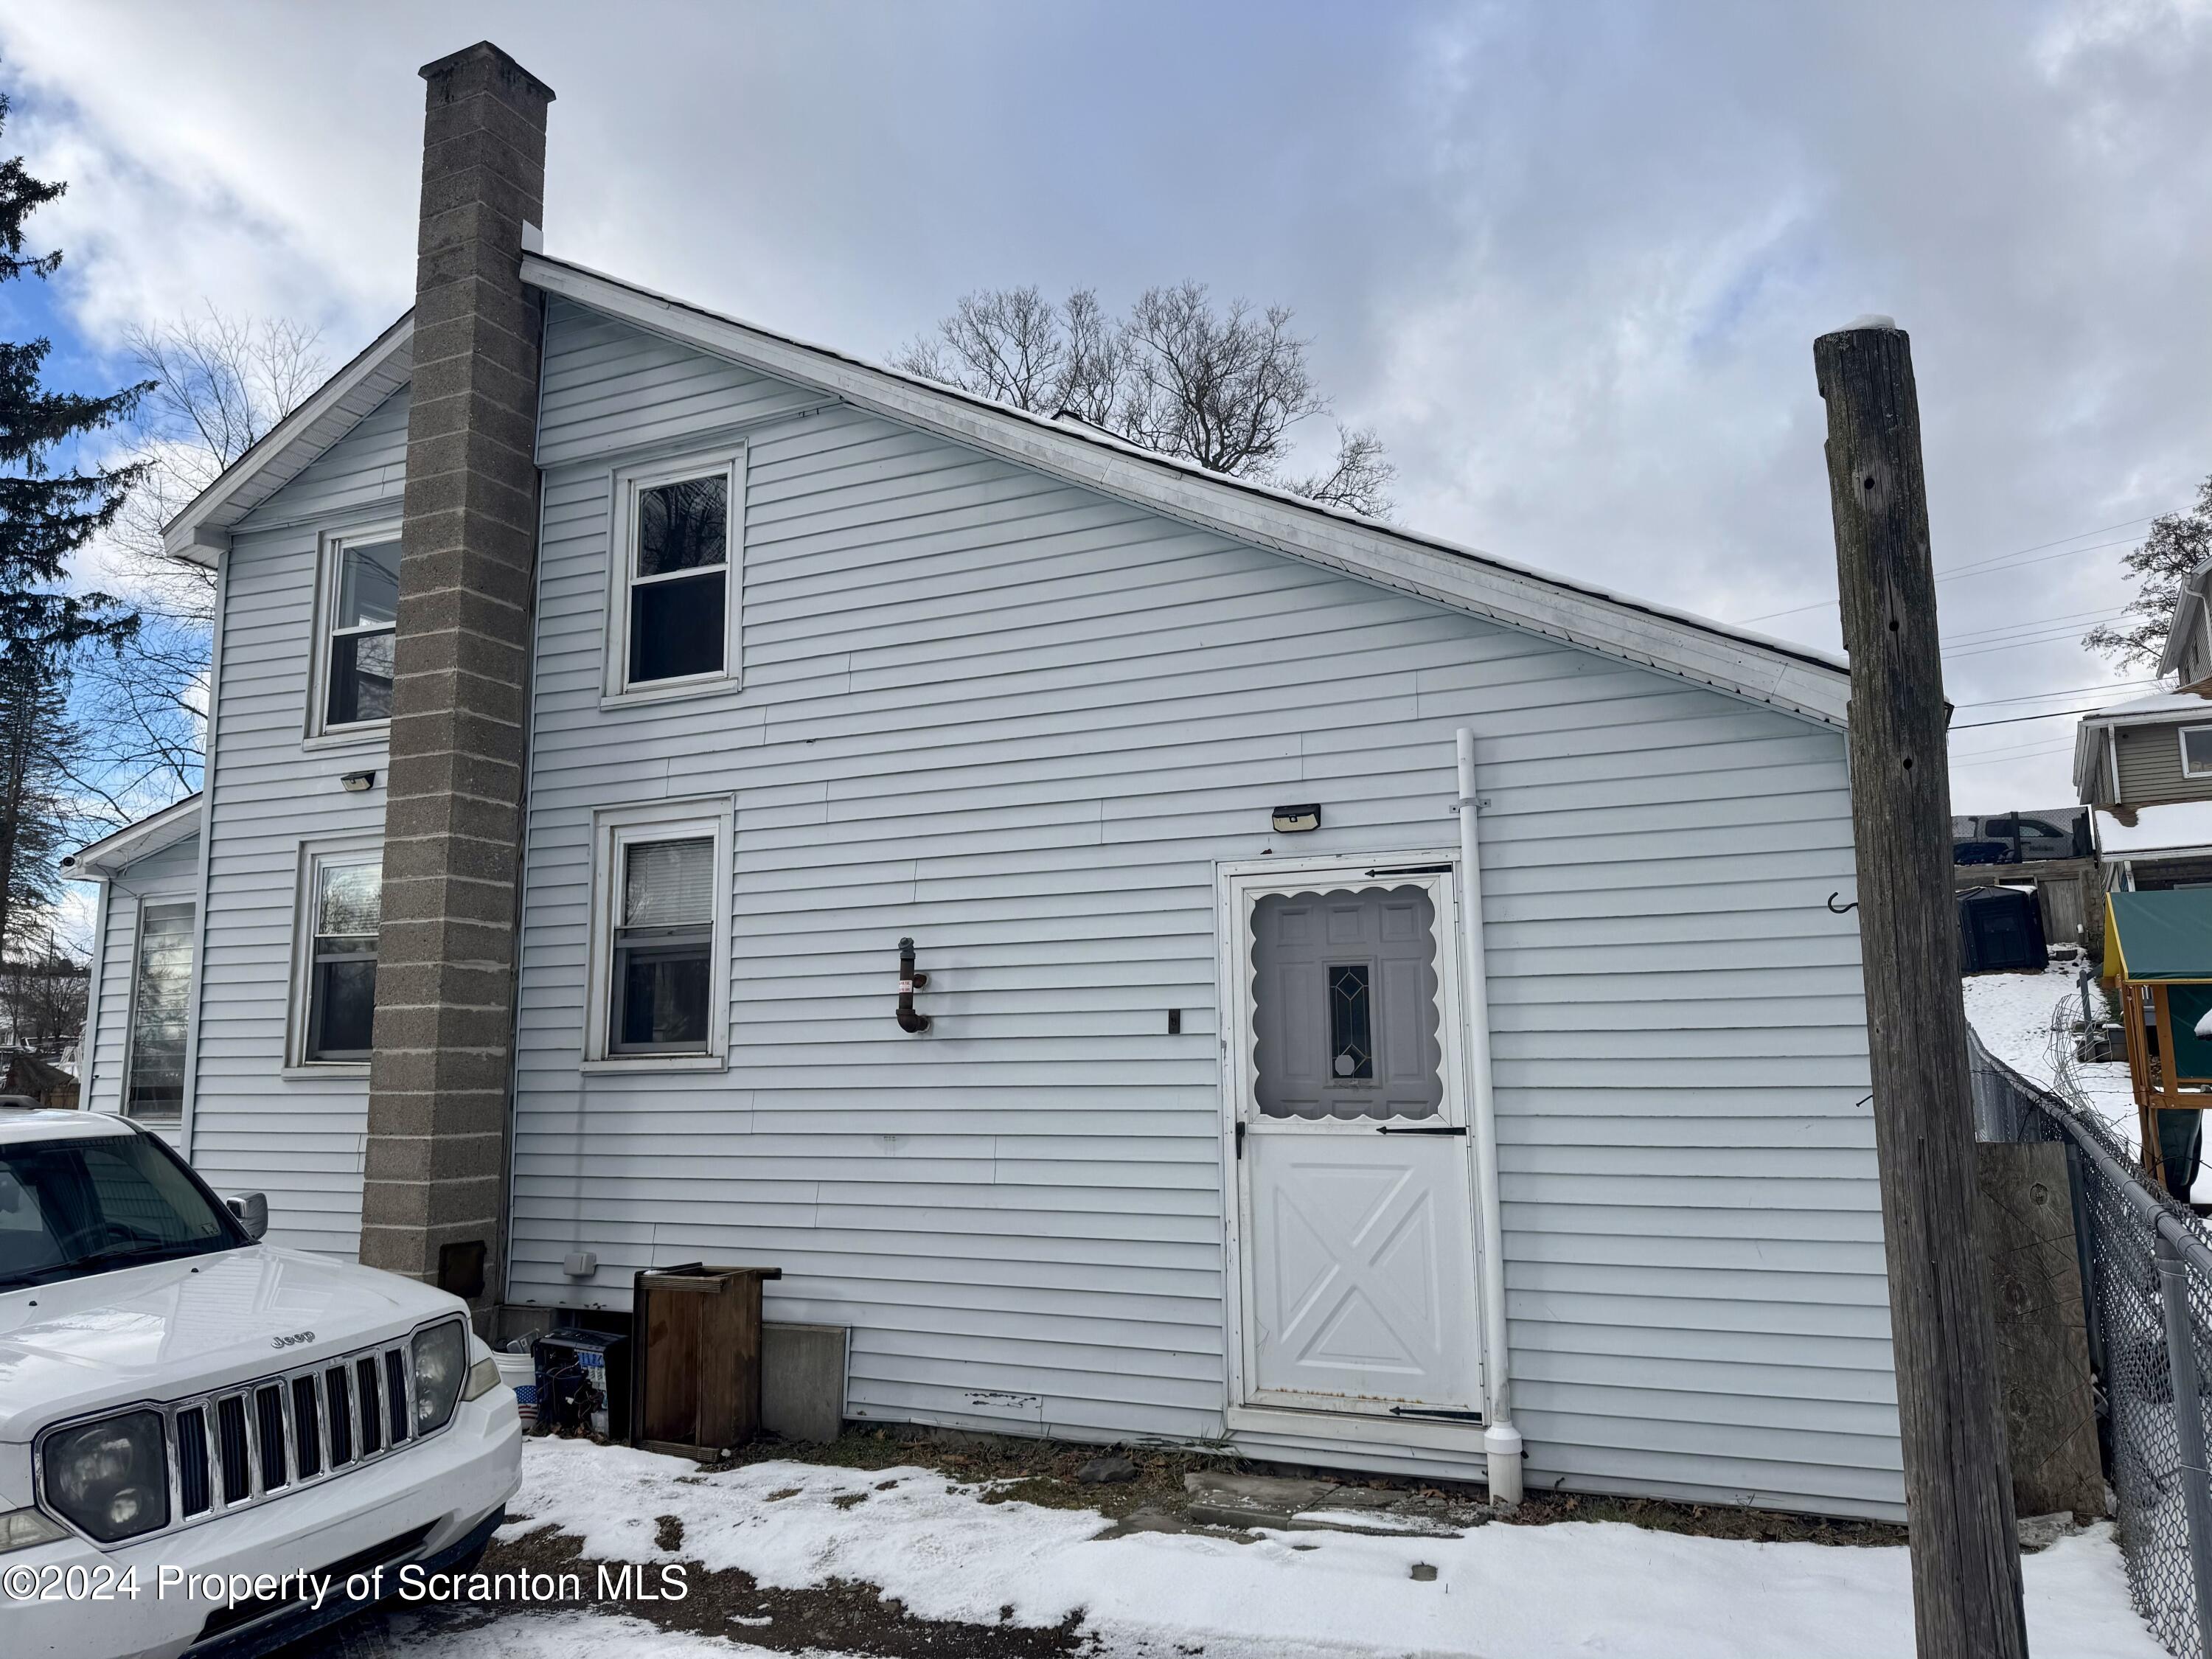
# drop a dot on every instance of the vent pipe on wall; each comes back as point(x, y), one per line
point(1501, 1441)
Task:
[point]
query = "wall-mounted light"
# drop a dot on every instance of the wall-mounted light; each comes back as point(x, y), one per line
point(354, 783)
point(1293, 820)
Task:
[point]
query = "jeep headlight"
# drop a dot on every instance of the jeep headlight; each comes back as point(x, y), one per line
point(442, 1365)
point(110, 1479)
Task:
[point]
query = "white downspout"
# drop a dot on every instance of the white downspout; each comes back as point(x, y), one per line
point(1500, 1440)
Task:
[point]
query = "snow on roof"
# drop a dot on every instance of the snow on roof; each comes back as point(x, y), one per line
point(2158, 708)
point(2177, 826)
point(2197, 701)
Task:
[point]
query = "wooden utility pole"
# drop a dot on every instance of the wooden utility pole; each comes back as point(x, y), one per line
point(1958, 1492)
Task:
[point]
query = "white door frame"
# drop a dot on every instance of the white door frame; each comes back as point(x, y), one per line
point(1237, 883)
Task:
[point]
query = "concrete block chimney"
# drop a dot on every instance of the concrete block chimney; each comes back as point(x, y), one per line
point(433, 1200)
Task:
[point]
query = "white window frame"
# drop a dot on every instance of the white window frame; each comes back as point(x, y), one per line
point(727, 461)
point(184, 902)
point(314, 857)
point(614, 830)
point(330, 573)
point(2181, 742)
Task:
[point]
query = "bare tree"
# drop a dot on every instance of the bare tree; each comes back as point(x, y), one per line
point(2176, 545)
point(42, 996)
point(222, 382)
point(1223, 386)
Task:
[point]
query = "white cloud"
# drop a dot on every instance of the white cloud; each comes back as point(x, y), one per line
point(1570, 261)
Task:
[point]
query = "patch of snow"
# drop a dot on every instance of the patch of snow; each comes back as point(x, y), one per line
point(574, 1633)
point(2026, 1020)
point(2167, 827)
point(1544, 1592)
point(1373, 1520)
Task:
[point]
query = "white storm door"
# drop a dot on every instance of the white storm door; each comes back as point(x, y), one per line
point(1356, 1204)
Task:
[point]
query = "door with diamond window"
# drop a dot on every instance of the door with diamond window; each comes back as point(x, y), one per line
point(1358, 1234)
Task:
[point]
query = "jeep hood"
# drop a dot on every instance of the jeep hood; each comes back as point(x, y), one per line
point(172, 1329)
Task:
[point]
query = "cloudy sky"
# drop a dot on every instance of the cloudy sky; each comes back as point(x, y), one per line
point(1567, 258)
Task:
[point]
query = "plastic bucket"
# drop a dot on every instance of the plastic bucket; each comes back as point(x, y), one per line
point(520, 1372)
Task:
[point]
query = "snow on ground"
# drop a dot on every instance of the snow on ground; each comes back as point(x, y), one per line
point(568, 1635)
point(1501, 1592)
point(2014, 1014)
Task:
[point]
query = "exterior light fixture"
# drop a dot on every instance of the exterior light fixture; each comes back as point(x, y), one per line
point(1294, 820)
point(354, 783)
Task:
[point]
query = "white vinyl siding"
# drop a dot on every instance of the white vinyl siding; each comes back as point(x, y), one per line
point(257, 1123)
point(1021, 722)
point(170, 876)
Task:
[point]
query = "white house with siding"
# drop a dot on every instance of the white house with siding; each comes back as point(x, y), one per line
point(1157, 771)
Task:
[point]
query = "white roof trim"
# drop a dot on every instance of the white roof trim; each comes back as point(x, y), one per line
point(201, 530)
point(1814, 685)
point(2187, 604)
point(136, 841)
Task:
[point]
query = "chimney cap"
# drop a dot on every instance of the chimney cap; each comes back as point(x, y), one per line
point(484, 51)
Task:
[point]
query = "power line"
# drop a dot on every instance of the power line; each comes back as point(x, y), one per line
point(1984, 649)
point(2010, 755)
point(2070, 692)
point(1969, 634)
point(1976, 567)
point(2016, 720)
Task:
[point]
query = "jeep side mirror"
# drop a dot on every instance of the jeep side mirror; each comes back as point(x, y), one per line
point(252, 1210)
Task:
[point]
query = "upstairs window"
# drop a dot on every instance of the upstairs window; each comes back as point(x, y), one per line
point(2197, 751)
point(160, 991)
point(674, 608)
point(363, 607)
point(345, 910)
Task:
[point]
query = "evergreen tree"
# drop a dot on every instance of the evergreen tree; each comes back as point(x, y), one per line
point(37, 743)
point(47, 514)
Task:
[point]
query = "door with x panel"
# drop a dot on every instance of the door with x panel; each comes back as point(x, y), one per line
point(1359, 1239)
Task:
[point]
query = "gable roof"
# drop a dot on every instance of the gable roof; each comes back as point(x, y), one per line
point(1801, 681)
point(1797, 679)
point(2159, 708)
point(136, 841)
point(293, 445)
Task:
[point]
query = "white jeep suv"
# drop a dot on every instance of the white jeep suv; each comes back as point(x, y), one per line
point(209, 1446)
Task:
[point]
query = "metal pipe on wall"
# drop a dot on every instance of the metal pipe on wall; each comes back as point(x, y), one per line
point(1501, 1441)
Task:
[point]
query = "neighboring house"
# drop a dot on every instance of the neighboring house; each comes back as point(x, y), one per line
point(2188, 653)
point(2144, 768)
point(25, 1076)
point(134, 1055)
point(719, 664)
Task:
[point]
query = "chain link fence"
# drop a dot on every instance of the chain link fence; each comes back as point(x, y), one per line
point(2147, 1283)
